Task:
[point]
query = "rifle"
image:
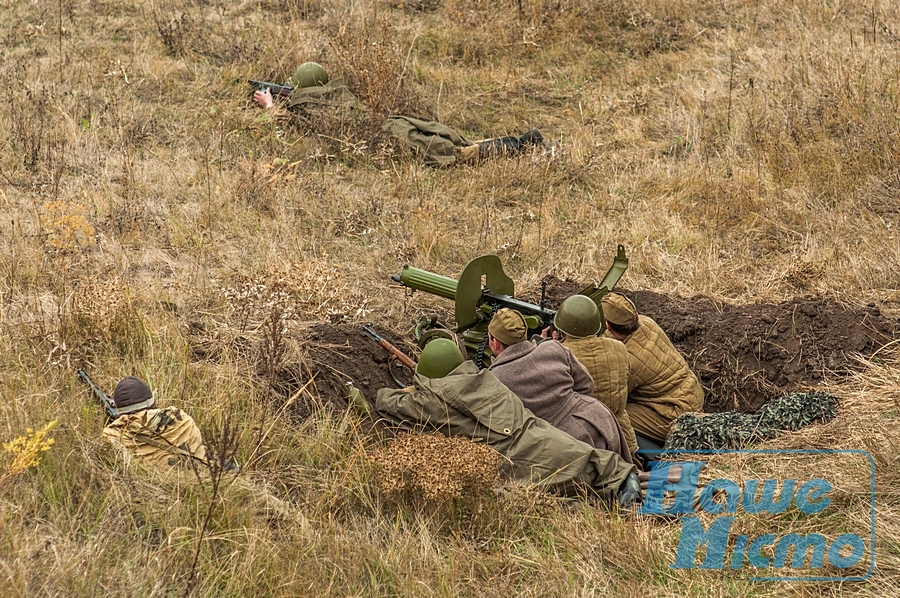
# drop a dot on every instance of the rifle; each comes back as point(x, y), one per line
point(394, 353)
point(104, 399)
point(277, 90)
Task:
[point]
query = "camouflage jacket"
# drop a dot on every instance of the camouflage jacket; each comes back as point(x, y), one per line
point(163, 438)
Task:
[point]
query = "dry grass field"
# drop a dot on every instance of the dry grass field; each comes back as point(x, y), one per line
point(153, 222)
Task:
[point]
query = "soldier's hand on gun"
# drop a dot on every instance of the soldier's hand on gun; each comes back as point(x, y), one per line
point(263, 98)
point(550, 332)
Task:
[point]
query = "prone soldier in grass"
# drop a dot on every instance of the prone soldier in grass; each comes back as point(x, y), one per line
point(162, 437)
point(311, 90)
point(452, 396)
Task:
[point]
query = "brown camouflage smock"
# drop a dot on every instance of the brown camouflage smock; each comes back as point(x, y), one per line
point(475, 404)
point(163, 438)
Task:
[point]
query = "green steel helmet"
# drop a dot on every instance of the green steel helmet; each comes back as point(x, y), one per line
point(578, 317)
point(439, 357)
point(309, 74)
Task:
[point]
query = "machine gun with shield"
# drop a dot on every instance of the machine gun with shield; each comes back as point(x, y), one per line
point(482, 289)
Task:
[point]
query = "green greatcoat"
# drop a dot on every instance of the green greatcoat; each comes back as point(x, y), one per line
point(472, 403)
point(436, 143)
point(334, 95)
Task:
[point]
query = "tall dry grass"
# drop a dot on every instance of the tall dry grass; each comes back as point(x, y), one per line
point(742, 150)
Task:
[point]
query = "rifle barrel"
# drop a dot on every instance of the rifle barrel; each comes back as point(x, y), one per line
point(371, 332)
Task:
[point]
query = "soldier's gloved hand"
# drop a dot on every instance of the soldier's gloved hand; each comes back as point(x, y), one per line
point(630, 491)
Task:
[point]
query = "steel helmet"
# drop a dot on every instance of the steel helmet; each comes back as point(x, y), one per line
point(578, 317)
point(309, 74)
point(439, 357)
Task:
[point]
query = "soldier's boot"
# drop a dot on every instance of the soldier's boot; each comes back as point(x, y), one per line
point(509, 145)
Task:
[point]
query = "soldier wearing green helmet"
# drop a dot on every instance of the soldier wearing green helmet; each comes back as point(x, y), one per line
point(578, 322)
point(439, 357)
point(454, 397)
point(313, 89)
point(309, 74)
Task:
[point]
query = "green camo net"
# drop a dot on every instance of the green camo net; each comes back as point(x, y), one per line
point(735, 430)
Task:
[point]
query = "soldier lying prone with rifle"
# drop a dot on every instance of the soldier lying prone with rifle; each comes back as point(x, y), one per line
point(163, 437)
point(310, 90)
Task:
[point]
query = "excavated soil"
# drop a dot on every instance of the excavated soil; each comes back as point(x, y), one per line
point(341, 353)
point(744, 355)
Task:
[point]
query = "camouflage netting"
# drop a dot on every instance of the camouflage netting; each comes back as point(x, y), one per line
point(735, 430)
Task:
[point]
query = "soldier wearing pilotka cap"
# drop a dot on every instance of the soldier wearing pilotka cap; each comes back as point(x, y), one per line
point(552, 384)
point(661, 385)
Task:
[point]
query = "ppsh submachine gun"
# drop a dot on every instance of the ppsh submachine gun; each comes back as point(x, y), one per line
point(482, 289)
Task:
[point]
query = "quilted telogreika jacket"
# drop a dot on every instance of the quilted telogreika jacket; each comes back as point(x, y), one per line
point(608, 363)
point(475, 404)
point(660, 378)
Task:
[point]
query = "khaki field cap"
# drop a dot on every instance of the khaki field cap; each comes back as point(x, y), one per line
point(618, 309)
point(508, 326)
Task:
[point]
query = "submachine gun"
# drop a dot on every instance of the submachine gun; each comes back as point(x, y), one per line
point(482, 289)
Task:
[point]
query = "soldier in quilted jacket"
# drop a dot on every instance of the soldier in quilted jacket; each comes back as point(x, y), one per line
point(661, 386)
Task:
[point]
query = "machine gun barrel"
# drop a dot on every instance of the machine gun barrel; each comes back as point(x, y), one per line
point(428, 282)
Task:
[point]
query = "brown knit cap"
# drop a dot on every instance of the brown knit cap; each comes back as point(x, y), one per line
point(508, 326)
point(130, 391)
point(618, 309)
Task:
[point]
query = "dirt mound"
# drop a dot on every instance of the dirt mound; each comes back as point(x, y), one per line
point(744, 355)
point(340, 353)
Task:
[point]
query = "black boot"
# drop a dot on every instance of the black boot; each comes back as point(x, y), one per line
point(530, 138)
